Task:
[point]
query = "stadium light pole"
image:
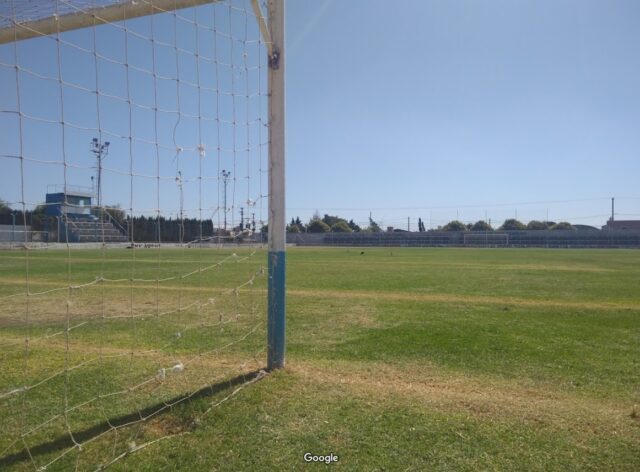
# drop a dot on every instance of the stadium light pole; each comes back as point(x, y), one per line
point(100, 150)
point(276, 228)
point(225, 178)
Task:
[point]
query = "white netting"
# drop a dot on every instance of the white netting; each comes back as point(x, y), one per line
point(18, 12)
point(135, 153)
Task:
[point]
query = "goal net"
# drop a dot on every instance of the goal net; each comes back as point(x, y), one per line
point(135, 145)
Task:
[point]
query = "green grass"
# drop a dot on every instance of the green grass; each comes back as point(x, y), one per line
point(398, 359)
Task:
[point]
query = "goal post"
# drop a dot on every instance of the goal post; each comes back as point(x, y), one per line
point(277, 229)
point(142, 160)
point(74, 17)
point(274, 37)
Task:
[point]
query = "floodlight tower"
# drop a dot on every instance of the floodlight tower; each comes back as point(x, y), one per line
point(100, 150)
point(225, 179)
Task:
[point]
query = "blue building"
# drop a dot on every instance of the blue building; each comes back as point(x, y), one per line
point(71, 206)
point(69, 201)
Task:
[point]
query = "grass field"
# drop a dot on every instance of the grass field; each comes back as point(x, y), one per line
point(398, 359)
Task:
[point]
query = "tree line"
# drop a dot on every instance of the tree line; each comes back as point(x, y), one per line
point(154, 228)
point(143, 228)
point(35, 218)
point(336, 224)
point(161, 229)
point(330, 223)
point(511, 224)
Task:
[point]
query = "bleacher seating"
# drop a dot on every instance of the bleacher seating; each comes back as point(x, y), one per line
point(89, 229)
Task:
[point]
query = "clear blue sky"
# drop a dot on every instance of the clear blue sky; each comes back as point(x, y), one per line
point(414, 108)
point(428, 104)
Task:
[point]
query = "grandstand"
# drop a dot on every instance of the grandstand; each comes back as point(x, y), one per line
point(78, 220)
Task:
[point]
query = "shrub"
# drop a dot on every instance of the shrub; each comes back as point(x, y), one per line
point(512, 225)
point(537, 225)
point(318, 226)
point(562, 225)
point(455, 226)
point(341, 227)
point(481, 226)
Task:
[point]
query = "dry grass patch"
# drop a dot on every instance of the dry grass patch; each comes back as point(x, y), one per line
point(452, 298)
point(121, 301)
point(426, 386)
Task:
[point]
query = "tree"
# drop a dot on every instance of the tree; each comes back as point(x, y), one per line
point(373, 227)
point(536, 225)
point(354, 227)
point(512, 225)
point(318, 226)
point(332, 220)
point(341, 227)
point(481, 225)
point(4, 208)
point(562, 225)
point(455, 225)
point(295, 226)
point(421, 227)
point(38, 217)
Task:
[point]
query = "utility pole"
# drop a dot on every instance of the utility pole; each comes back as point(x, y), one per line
point(241, 218)
point(225, 179)
point(408, 223)
point(613, 213)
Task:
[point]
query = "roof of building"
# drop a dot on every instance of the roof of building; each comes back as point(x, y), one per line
point(622, 224)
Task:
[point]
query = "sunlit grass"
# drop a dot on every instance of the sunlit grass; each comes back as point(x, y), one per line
point(398, 359)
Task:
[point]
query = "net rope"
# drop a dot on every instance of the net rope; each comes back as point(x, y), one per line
point(99, 340)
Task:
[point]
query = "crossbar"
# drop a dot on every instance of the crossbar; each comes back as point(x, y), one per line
point(82, 18)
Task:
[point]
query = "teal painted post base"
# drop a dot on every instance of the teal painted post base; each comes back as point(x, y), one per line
point(276, 314)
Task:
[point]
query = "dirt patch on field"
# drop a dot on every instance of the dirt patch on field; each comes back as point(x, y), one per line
point(102, 303)
point(424, 386)
point(359, 316)
point(427, 264)
point(452, 298)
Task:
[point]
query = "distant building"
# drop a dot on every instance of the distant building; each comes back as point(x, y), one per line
point(622, 224)
point(74, 222)
point(69, 201)
point(585, 228)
